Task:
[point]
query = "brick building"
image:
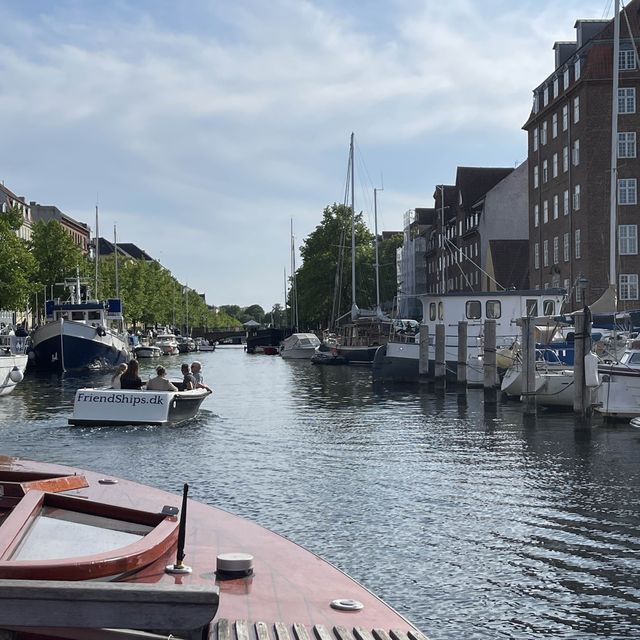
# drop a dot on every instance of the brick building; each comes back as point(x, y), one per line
point(79, 231)
point(569, 134)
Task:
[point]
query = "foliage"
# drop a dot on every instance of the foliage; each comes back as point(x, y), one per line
point(56, 255)
point(316, 278)
point(253, 312)
point(232, 310)
point(16, 263)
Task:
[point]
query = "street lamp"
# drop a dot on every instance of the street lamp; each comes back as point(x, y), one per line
point(582, 287)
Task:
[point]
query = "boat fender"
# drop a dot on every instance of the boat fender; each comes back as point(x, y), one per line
point(16, 375)
point(101, 331)
point(591, 370)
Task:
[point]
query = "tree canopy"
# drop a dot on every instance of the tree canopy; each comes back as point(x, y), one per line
point(325, 275)
point(17, 265)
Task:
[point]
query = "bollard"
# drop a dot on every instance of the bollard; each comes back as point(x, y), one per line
point(528, 353)
point(582, 402)
point(440, 363)
point(490, 367)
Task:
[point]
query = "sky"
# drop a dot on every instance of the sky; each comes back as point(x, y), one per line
point(206, 129)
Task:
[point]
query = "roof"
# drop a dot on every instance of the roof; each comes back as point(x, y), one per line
point(124, 248)
point(474, 182)
point(511, 262)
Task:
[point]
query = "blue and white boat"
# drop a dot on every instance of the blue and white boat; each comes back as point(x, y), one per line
point(80, 334)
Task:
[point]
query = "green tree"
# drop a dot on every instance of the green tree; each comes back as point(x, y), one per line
point(17, 265)
point(253, 312)
point(56, 255)
point(232, 310)
point(316, 278)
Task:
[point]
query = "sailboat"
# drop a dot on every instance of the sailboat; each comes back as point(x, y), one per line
point(360, 337)
point(80, 333)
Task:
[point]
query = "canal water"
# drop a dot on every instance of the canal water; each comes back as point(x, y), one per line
point(470, 521)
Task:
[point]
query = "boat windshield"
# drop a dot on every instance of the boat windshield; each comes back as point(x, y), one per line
point(58, 533)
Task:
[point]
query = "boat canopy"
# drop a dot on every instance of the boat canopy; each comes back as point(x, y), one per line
point(301, 341)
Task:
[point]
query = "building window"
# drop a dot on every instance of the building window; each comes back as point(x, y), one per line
point(627, 60)
point(627, 144)
point(627, 191)
point(628, 239)
point(555, 250)
point(554, 165)
point(536, 102)
point(536, 256)
point(555, 88)
point(627, 100)
point(543, 133)
point(577, 247)
point(576, 197)
point(535, 139)
point(565, 117)
point(565, 159)
point(576, 153)
point(545, 171)
point(555, 207)
point(536, 215)
point(545, 211)
point(545, 96)
point(576, 69)
point(628, 287)
point(565, 202)
point(554, 124)
point(565, 77)
point(576, 109)
point(536, 179)
point(565, 247)
point(545, 253)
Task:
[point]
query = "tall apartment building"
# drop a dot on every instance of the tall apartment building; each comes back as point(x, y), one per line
point(79, 231)
point(476, 223)
point(9, 200)
point(569, 133)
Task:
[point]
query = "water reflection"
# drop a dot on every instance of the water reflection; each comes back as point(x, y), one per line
point(472, 519)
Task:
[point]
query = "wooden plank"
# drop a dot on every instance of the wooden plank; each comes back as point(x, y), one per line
point(106, 604)
point(242, 630)
point(381, 634)
point(398, 634)
point(16, 522)
point(224, 629)
point(362, 634)
point(321, 632)
point(262, 631)
point(300, 632)
point(342, 633)
point(416, 635)
point(281, 631)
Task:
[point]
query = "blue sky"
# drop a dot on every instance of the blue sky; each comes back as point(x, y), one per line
point(204, 127)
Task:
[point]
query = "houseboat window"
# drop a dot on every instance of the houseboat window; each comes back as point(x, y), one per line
point(94, 315)
point(532, 308)
point(440, 310)
point(493, 309)
point(432, 311)
point(77, 315)
point(474, 309)
point(64, 315)
point(548, 307)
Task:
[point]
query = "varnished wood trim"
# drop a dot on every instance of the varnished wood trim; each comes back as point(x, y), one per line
point(17, 521)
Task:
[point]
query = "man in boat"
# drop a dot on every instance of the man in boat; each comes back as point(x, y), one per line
point(187, 377)
point(196, 371)
point(160, 383)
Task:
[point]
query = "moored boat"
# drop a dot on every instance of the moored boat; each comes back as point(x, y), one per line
point(147, 351)
point(115, 407)
point(80, 333)
point(86, 554)
point(13, 362)
point(299, 346)
point(168, 344)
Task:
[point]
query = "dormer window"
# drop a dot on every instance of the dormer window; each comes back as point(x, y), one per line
point(565, 77)
point(555, 86)
point(576, 68)
point(545, 96)
point(536, 102)
point(460, 198)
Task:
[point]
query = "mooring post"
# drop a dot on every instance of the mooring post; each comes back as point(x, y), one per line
point(440, 363)
point(528, 353)
point(423, 357)
point(462, 353)
point(582, 345)
point(490, 367)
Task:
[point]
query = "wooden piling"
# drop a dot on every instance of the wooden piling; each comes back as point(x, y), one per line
point(582, 401)
point(423, 357)
point(490, 366)
point(528, 354)
point(440, 362)
point(462, 353)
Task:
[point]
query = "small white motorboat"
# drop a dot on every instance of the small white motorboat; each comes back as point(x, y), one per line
point(13, 362)
point(115, 407)
point(147, 351)
point(300, 346)
point(168, 344)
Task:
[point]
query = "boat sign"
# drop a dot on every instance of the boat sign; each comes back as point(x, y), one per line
point(115, 406)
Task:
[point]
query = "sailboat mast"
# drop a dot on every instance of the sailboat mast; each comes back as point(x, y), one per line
point(613, 227)
point(294, 290)
point(115, 248)
point(375, 218)
point(97, 253)
point(354, 306)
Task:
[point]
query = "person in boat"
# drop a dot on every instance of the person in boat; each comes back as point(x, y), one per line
point(130, 379)
point(160, 383)
point(196, 371)
point(187, 377)
point(115, 380)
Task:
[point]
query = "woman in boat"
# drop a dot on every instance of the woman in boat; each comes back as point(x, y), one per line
point(130, 378)
point(115, 380)
point(160, 383)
